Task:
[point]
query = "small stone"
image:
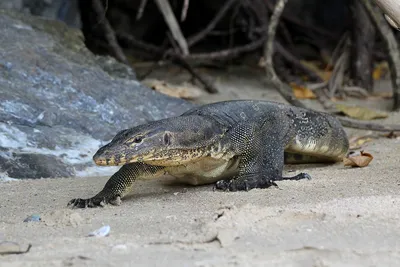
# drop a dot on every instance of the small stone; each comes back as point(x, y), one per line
point(33, 218)
point(101, 232)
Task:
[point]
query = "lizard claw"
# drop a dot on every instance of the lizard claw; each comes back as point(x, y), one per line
point(223, 185)
point(93, 202)
point(243, 184)
point(85, 203)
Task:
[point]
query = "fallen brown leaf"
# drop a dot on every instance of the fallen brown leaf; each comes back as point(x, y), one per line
point(301, 92)
point(392, 135)
point(381, 95)
point(184, 91)
point(325, 74)
point(380, 70)
point(358, 160)
point(361, 113)
point(357, 141)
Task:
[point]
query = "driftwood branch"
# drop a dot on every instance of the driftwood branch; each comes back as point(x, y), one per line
point(221, 54)
point(109, 32)
point(362, 46)
point(286, 91)
point(281, 50)
point(173, 25)
point(272, 77)
point(141, 9)
point(179, 60)
point(185, 8)
point(393, 47)
point(391, 8)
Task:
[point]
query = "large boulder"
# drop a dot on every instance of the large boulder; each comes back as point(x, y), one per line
point(59, 103)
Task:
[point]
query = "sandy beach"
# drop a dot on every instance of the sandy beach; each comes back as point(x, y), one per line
point(342, 217)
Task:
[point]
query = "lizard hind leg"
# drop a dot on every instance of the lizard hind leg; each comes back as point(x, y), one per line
point(261, 163)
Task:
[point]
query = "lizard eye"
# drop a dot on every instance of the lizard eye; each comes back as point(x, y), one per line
point(134, 140)
point(167, 139)
point(137, 139)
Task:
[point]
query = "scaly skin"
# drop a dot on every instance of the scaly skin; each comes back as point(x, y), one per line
point(239, 145)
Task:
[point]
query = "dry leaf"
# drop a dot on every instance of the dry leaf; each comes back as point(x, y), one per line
point(261, 62)
point(380, 70)
point(301, 92)
point(180, 91)
point(361, 113)
point(392, 135)
point(380, 95)
point(358, 141)
point(359, 160)
point(325, 74)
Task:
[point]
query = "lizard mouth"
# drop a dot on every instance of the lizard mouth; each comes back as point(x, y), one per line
point(110, 161)
point(115, 161)
point(170, 158)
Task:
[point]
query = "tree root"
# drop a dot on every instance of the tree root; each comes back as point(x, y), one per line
point(286, 91)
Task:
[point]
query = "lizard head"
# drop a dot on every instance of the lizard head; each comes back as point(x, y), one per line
point(167, 142)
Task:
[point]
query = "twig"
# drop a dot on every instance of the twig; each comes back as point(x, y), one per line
point(149, 48)
point(185, 8)
point(282, 88)
point(346, 122)
point(221, 54)
point(356, 91)
point(200, 35)
point(393, 47)
point(209, 87)
point(269, 45)
point(109, 32)
point(173, 25)
point(9, 252)
point(392, 10)
point(337, 52)
point(324, 100)
point(337, 77)
point(141, 9)
point(363, 36)
point(178, 59)
point(301, 23)
point(293, 60)
point(155, 64)
point(285, 89)
point(232, 19)
point(231, 52)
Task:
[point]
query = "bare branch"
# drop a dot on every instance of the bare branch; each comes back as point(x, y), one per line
point(109, 32)
point(200, 35)
point(141, 9)
point(393, 47)
point(173, 25)
point(286, 91)
point(184, 10)
point(391, 8)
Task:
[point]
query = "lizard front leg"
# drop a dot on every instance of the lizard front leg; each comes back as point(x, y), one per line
point(261, 152)
point(119, 185)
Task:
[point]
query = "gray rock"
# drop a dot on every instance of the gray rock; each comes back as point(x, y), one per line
point(59, 100)
point(29, 165)
point(64, 10)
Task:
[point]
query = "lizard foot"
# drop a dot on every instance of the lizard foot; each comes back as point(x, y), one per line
point(93, 202)
point(240, 184)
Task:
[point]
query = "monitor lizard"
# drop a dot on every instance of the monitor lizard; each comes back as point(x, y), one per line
point(238, 145)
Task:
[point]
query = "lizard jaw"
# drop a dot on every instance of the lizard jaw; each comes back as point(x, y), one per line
point(112, 161)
